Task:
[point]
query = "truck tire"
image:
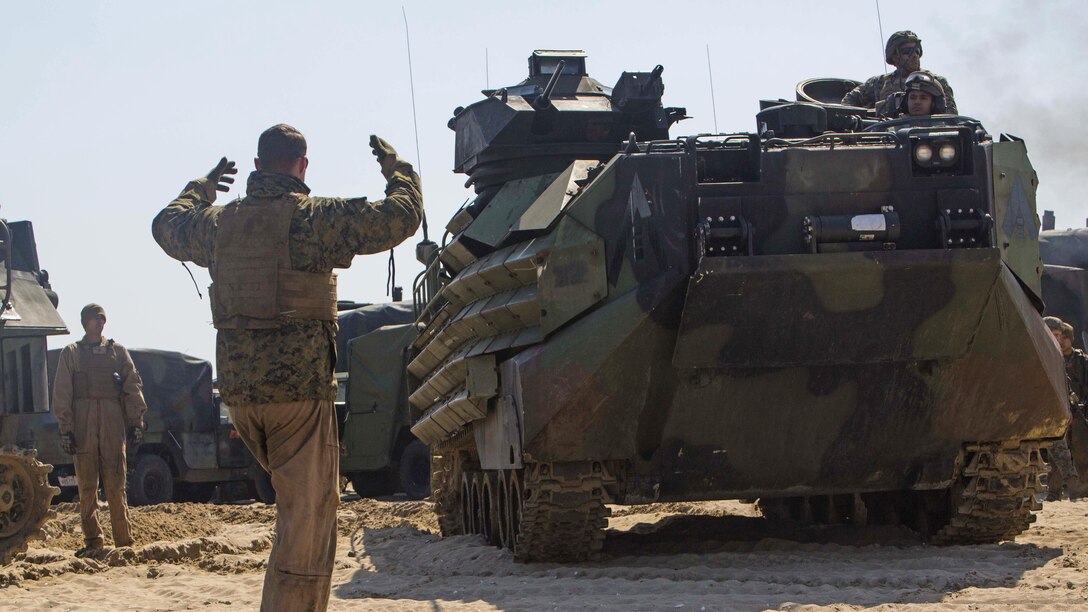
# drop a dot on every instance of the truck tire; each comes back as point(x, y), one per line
point(152, 482)
point(372, 483)
point(262, 482)
point(415, 470)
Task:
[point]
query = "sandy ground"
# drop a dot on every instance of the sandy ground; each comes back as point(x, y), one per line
point(706, 556)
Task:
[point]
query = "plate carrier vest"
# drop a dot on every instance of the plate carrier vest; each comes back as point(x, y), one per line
point(253, 285)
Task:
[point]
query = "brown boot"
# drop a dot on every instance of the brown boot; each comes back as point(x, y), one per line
point(90, 548)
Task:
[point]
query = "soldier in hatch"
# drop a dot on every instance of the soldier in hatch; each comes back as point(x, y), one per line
point(99, 402)
point(904, 51)
point(922, 96)
point(273, 298)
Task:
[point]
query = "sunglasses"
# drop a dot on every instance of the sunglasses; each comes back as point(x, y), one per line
point(910, 51)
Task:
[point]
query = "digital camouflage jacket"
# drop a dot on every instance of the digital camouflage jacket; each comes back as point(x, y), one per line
point(873, 93)
point(294, 362)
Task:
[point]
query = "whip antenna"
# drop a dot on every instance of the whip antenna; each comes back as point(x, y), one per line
point(880, 26)
point(415, 124)
point(713, 104)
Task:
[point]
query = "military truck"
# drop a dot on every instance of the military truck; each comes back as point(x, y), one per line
point(379, 453)
point(1065, 277)
point(837, 315)
point(28, 314)
point(189, 446)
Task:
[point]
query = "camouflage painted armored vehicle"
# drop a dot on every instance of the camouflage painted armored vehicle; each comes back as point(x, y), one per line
point(839, 318)
point(28, 313)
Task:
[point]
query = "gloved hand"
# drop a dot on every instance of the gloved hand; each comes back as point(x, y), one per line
point(135, 435)
point(68, 443)
point(219, 179)
point(388, 158)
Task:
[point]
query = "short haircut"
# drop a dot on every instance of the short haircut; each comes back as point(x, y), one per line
point(279, 146)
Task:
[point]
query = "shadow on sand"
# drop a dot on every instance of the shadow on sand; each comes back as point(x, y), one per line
point(713, 562)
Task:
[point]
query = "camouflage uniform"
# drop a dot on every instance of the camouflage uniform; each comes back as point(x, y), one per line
point(90, 403)
point(279, 382)
point(874, 92)
point(1076, 367)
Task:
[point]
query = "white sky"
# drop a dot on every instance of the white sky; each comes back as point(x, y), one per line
point(109, 108)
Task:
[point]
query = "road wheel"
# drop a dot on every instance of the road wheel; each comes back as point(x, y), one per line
point(152, 482)
point(415, 470)
point(262, 481)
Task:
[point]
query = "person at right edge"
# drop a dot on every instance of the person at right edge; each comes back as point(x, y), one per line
point(273, 299)
point(1073, 449)
point(904, 51)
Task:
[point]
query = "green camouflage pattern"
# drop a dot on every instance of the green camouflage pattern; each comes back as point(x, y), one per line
point(845, 324)
point(875, 91)
point(296, 361)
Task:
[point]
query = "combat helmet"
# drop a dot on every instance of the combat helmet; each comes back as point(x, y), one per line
point(897, 39)
point(1057, 324)
point(924, 81)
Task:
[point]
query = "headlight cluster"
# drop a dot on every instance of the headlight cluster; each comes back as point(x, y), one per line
point(936, 153)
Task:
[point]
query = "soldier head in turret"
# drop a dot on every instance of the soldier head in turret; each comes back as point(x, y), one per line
point(904, 51)
point(922, 95)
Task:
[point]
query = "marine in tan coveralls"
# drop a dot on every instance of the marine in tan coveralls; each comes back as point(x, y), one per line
point(273, 297)
point(904, 51)
point(98, 399)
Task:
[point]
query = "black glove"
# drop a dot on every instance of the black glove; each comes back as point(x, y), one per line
point(68, 443)
point(135, 435)
point(218, 179)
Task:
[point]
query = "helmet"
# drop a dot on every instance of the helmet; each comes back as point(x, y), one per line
point(897, 39)
point(1058, 324)
point(924, 81)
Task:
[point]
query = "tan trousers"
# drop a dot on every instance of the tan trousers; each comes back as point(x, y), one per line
point(100, 449)
point(296, 443)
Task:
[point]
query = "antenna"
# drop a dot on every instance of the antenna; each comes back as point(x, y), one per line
point(412, 84)
point(880, 26)
point(713, 104)
point(415, 124)
point(487, 71)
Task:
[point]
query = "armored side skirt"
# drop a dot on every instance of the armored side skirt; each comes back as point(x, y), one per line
point(798, 374)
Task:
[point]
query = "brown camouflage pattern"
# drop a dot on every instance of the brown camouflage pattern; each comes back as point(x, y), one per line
point(875, 91)
point(294, 362)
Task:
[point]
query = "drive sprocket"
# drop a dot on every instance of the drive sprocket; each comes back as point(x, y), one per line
point(25, 495)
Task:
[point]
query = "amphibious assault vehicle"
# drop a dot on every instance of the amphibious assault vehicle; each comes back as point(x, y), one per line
point(28, 313)
point(836, 315)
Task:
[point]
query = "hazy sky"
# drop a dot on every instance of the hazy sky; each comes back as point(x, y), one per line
point(109, 108)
